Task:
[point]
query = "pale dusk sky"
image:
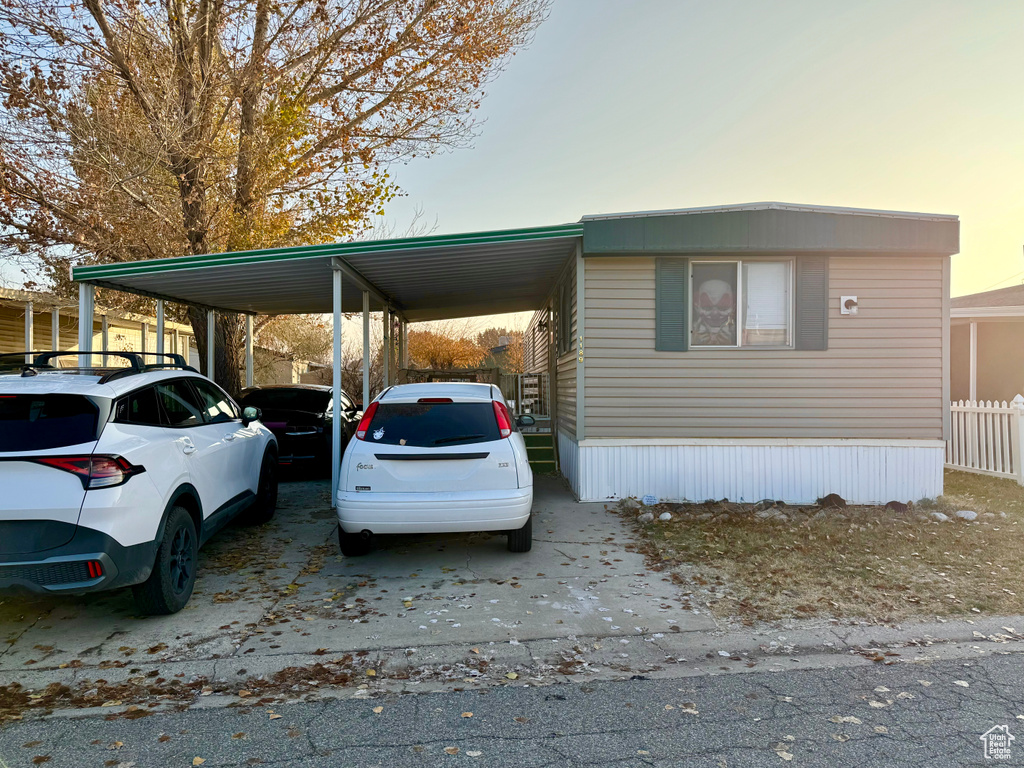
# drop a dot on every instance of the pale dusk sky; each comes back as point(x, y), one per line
point(623, 105)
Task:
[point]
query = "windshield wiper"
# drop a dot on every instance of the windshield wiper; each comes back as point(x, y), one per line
point(456, 439)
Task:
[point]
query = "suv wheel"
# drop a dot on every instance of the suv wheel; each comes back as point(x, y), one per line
point(522, 539)
point(354, 544)
point(262, 510)
point(169, 586)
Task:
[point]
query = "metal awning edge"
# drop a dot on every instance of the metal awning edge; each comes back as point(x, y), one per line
point(93, 273)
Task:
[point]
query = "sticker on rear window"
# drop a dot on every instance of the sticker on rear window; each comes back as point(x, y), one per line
point(378, 434)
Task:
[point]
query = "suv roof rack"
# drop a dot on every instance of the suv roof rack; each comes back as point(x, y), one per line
point(11, 362)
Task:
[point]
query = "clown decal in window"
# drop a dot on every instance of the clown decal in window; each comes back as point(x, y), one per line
point(714, 305)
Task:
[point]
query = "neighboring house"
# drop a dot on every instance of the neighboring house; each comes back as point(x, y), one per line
point(987, 345)
point(752, 351)
point(30, 319)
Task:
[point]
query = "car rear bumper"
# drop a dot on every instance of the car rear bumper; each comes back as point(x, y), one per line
point(434, 512)
point(65, 568)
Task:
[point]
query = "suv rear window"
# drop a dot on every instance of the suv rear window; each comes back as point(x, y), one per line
point(430, 425)
point(40, 422)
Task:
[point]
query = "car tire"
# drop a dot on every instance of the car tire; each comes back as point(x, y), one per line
point(263, 508)
point(354, 544)
point(521, 540)
point(170, 585)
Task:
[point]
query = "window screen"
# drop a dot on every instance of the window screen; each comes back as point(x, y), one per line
point(713, 317)
point(766, 303)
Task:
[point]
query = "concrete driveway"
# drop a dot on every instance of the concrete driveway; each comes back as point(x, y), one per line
point(282, 594)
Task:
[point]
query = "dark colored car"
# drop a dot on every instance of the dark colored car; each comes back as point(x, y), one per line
point(300, 416)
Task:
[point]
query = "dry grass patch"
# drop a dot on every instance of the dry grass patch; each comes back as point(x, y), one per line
point(866, 563)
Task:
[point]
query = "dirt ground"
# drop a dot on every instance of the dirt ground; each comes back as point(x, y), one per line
point(772, 564)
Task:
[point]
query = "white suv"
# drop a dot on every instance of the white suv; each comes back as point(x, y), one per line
point(435, 458)
point(116, 477)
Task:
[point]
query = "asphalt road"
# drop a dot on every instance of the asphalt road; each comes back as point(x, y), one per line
point(907, 714)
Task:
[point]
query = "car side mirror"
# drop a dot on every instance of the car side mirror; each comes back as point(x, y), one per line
point(526, 420)
point(251, 414)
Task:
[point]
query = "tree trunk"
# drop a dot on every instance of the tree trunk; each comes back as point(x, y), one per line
point(229, 338)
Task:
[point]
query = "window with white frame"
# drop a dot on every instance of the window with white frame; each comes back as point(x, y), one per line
point(743, 303)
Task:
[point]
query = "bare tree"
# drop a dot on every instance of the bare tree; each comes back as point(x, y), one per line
point(133, 129)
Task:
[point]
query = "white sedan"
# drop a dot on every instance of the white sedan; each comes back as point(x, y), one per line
point(435, 458)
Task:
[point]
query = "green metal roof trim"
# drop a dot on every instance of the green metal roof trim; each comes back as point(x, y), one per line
point(108, 271)
point(771, 230)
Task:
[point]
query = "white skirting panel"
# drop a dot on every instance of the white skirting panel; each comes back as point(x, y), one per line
point(862, 472)
point(569, 461)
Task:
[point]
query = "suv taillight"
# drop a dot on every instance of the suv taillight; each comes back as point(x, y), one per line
point(364, 423)
point(94, 471)
point(504, 420)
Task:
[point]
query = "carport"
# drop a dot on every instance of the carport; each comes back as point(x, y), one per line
point(407, 280)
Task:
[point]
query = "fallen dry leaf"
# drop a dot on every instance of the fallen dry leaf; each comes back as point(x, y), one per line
point(962, 683)
point(378, 710)
point(512, 676)
point(239, 735)
point(452, 750)
point(115, 745)
point(474, 752)
point(847, 719)
point(243, 693)
point(198, 760)
point(164, 738)
point(371, 672)
point(30, 744)
point(276, 717)
point(881, 729)
point(467, 714)
point(40, 759)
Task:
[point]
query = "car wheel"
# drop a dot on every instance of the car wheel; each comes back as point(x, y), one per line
point(262, 510)
point(522, 539)
point(354, 544)
point(169, 586)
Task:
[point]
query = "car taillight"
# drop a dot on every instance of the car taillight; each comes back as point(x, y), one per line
point(504, 420)
point(364, 423)
point(94, 471)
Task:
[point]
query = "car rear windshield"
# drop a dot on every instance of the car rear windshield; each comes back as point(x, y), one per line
point(40, 422)
point(433, 425)
point(311, 400)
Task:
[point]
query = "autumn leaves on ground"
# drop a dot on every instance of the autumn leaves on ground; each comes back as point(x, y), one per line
point(868, 563)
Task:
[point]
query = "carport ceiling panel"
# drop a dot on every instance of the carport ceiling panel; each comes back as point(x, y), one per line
point(428, 278)
point(301, 287)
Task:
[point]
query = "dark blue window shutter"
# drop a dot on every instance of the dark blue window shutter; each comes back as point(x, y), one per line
point(671, 305)
point(811, 330)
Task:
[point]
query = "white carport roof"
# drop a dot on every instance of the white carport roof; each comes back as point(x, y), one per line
point(422, 278)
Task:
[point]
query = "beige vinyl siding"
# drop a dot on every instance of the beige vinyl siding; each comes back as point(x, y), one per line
point(535, 345)
point(881, 376)
point(565, 387)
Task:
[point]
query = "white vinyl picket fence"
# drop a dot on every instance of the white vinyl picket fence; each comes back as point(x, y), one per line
point(985, 437)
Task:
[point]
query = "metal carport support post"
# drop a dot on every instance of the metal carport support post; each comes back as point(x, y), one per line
point(248, 350)
point(86, 306)
point(335, 388)
point(211, 341)
point(160, 326)
point(29, 331)
point(386, 348)
point(366, 350)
